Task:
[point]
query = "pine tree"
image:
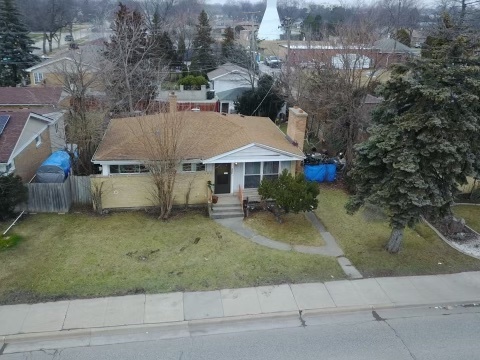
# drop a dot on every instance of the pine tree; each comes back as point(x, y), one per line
point(425, 138)
point(203, 60)
point(228, 43)
point(16, 47)
point(265, 100)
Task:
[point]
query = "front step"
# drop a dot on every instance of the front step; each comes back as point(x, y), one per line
point(227, 207)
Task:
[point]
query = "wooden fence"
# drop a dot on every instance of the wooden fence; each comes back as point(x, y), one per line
point(58, 197)
point(80, 187)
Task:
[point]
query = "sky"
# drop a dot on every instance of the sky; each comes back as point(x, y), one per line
point(328, 2)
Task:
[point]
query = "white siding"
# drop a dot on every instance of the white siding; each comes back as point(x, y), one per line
point(285, 165)
point(237, 80)
point(57, 133)
point(33, 128)
point(254, 154)
point(237, 176)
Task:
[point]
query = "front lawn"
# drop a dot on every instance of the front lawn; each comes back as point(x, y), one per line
point(295, 228)
point(471, 214)
point(363, 243)
point(80, 255)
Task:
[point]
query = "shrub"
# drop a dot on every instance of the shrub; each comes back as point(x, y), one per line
point(193, 80)
point(291, 193)
point(12, 193)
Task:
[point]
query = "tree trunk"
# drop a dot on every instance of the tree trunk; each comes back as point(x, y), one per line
point(395, 241)
point(44, 43)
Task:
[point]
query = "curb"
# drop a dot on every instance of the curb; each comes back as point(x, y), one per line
point(440, 235)
point(191, 328)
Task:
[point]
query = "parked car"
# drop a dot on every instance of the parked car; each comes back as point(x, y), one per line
point(68, 38)
point(273, 61)
point(73, 46)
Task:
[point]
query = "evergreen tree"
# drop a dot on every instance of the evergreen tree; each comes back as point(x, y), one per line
point(403, 36)
point(228, 43)
point(16, 47)
point(424, 139)
point(12, 193)
point(265, 100)
point(203, 60)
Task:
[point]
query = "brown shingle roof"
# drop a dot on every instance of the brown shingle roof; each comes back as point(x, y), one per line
point(11, 133)
point(36, 96)
point(203, 135)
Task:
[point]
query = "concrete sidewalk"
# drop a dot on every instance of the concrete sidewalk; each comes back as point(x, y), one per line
point(142, 311)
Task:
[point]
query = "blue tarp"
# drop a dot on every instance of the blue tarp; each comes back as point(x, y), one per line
point(320, 173)
point(55, 168)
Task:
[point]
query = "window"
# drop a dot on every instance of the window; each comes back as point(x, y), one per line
point(189, 167)
point(252, 175)
point(270, 170)
point(256, 171)
point(128, 169)
point(38, 141)
point(38, 77)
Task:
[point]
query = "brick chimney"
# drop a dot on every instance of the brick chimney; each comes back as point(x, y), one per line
point(297, 123)
point(172, 102)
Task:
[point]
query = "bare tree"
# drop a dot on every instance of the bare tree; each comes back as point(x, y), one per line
point(86, 114)
point(335, 90)
point(128, 76)
point(165, 141)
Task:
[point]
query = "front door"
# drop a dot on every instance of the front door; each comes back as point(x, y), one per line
point(225, 108)
point(222, 178)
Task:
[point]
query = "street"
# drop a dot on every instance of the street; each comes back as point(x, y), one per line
point(394, 334)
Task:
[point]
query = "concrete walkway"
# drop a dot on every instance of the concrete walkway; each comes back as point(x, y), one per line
point(81, 320)
point(330, 248)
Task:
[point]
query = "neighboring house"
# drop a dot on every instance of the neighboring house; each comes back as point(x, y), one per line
point(27, 97)
point(52, 72)
point(201, 99)
point(379, 54)
point(234, 152)
point(27, 138)
point(228, 98)
point(229, 81)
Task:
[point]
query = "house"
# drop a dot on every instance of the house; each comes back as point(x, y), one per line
point(27, 138)
point(233, 152)
point(380, 53)
point(196, 99)
point(229, 81)
point(52, 72)
point(26, 97)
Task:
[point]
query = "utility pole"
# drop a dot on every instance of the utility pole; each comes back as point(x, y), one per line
point(253, 47)
point(287, 25)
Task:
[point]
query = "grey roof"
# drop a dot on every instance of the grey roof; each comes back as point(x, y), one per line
point(370, 99)
point(225, 69)
point(232, 94)
point(89, 54)
point(388, 45)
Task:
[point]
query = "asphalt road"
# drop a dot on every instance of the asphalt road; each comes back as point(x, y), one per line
point(397, 334)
